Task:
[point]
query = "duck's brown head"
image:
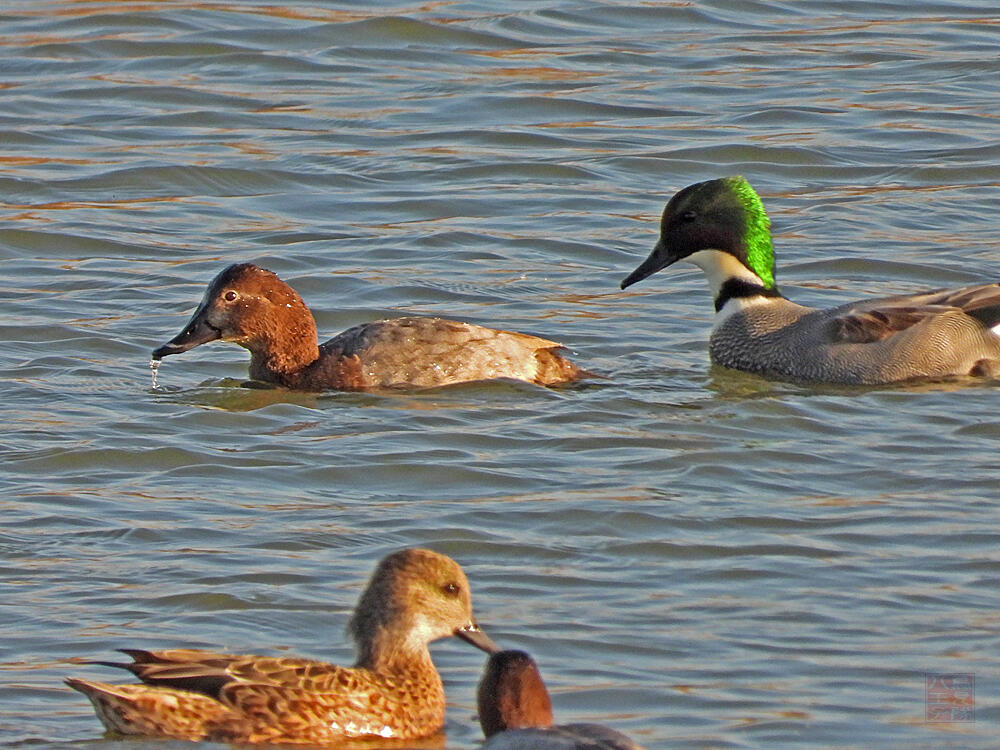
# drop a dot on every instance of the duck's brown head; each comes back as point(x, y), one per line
point(415, 596)
point(252, 307)
point(512, 694)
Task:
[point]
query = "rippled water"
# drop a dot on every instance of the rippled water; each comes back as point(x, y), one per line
point(697, 557)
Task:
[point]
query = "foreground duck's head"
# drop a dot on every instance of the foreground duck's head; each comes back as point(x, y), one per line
point(512, 694)
point(252, 307)
point(720, 226)
point(415, 596)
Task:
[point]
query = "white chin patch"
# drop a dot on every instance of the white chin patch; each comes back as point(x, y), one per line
point(720, 267)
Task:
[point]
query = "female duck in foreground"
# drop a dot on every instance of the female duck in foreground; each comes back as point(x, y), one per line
point(252, 307)
point(722, 228)
point(414, 596)
point(515, 712)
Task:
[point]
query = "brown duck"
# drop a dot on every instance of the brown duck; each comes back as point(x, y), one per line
point(252, 307)
point(414, 596)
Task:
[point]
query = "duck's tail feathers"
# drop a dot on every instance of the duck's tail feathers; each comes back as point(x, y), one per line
point(147, 711)
point(554, 368)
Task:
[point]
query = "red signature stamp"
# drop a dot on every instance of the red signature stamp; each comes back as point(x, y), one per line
point(950, 697)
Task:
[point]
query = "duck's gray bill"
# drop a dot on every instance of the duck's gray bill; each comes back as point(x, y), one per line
point(472, 634)
point(197, 331)
point(658, 259)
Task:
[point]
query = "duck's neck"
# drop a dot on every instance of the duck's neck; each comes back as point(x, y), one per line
point(408, 675)
point(394, 653)
point(281, 349)
point(733, 285)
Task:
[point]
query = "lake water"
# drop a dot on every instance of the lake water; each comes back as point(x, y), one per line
point(698, 557)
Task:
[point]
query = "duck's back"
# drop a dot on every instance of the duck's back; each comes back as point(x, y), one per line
point(561, 737)
point(865, 343)
point(426, 352)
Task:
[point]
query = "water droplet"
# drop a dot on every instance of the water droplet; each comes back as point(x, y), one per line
point(154, 365)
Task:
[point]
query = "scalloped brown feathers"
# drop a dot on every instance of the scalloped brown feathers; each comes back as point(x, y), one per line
point(394, 691)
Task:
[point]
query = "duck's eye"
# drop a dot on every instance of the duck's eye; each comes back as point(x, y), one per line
point(689, 216)
point(451, 589)
point(230, 296)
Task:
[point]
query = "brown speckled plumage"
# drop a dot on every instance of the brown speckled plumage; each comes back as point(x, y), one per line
point(252, 307)
point(394, 691)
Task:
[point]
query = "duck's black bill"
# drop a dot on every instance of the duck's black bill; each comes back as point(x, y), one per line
point(659, 259)
point(198, 331)
point(472, 634)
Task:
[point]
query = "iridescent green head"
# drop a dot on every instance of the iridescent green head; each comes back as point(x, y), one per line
point(724, 214)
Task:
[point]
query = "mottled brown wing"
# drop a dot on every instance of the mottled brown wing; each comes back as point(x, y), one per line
point(207, 672)
point(184, 669)
point(176, 656)
point(321, 705)
point(304, 674)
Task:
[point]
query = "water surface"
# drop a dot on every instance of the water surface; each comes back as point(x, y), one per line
point(698, 557)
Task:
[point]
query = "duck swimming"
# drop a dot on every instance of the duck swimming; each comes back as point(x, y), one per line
point(252, 307)
point(722, 228)
point(393, 691)
point(515, 712)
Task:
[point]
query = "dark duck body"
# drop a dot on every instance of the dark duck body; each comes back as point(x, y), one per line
point(515, 712)
point(721, 227)
point(252, 307)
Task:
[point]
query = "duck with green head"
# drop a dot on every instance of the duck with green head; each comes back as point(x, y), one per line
point(721, 226)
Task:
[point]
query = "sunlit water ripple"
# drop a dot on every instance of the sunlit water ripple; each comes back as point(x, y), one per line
point(697, 557)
